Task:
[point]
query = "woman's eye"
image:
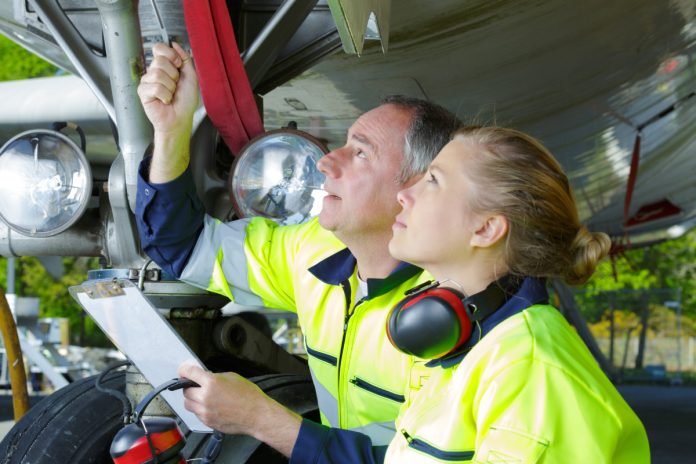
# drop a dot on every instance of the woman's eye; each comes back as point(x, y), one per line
point(431, 179)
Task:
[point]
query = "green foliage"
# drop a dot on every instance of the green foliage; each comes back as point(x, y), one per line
point(31, 279)
point(670, 264)
point(18, 63)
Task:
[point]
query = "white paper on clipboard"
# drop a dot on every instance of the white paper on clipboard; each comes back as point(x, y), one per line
point(141, 333)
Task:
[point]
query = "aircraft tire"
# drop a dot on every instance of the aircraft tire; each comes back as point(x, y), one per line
point(49, 433)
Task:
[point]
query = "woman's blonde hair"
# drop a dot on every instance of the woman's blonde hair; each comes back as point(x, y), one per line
point(516, 176)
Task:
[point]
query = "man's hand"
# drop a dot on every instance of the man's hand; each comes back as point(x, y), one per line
point(231, 404)
point(169, 89)
point(169, 94)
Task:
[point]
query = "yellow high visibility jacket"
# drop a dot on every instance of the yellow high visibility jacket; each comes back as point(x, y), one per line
point(528, 392)
point(361, 380)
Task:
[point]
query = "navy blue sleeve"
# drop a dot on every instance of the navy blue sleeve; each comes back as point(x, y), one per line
point(169, 217)
point(319, 444)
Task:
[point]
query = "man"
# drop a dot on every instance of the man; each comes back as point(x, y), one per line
point(334, 271)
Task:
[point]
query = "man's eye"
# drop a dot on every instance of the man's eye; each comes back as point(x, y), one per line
point(361, 154)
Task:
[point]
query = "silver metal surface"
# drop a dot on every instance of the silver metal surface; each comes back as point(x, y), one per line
point(126, 65)
point(82, 239)
point(570, 73)
point(160, 23)
point(263, 51)
point(121, 231)
point(358, 20)
point(92, 68)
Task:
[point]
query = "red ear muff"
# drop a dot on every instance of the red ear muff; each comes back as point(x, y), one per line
point(154, 438)
point(430, 324)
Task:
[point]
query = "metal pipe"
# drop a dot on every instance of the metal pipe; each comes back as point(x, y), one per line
point(277, 32)
point(15, 361)
point(11, 275)
point(124, 50)
point(82, 239)
point(91, 67)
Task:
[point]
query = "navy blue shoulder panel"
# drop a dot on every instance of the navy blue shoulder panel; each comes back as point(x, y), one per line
point(340, 266)
point(320, 444)
point(531, 292)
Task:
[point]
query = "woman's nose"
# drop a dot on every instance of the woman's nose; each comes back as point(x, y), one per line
point(404, 197)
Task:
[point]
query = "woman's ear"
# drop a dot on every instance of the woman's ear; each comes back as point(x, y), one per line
point(491, 230)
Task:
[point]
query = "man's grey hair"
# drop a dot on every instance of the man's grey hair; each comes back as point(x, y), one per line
point(431, 128)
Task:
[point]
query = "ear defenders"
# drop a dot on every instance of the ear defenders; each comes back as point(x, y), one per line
point(158, 440)
point(433, 322)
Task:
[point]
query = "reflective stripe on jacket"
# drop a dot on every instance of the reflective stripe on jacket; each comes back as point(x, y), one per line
point(528, 392)
point(360, 379)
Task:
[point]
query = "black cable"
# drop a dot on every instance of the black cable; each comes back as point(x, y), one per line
point(127, 408)
point(58, 126)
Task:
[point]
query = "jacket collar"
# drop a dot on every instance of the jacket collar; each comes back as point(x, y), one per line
point(531, 292)
point(340, 266)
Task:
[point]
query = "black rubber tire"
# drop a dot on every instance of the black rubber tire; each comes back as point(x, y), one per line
point(74, 425)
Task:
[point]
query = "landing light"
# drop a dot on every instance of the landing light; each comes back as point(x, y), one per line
point(276, 176)
point(45, 183)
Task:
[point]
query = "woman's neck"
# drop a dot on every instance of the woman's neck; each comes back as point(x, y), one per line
point(473, 277)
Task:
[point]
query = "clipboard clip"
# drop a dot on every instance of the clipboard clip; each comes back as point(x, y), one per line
point(103, 289)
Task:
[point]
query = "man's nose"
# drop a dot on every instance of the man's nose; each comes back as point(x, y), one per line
point(330, 164)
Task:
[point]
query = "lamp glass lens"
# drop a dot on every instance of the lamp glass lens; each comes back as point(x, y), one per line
point(45, 183)
point(277, 177)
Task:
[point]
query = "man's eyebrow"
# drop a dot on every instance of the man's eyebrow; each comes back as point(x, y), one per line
point(364, 140)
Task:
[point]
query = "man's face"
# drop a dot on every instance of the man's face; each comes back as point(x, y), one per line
point(361, 176)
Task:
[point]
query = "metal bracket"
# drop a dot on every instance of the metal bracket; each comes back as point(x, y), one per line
point(358, 20)
point(151, 275)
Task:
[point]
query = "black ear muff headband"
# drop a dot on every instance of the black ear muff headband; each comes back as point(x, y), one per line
point(432, 321)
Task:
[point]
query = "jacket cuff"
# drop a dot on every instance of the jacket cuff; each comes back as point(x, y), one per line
point(310, 442)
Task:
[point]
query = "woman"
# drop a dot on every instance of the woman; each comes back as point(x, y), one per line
point(495, 203)
point(491, 219)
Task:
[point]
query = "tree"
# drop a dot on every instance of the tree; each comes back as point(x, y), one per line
point(18, 63)
point(670, 264)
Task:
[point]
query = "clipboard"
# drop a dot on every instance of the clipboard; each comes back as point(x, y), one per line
point(141, 333)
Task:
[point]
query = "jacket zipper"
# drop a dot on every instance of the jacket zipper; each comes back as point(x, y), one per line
point(360, 383)
point(419, 445)
point(321, 356)
point(349, 312)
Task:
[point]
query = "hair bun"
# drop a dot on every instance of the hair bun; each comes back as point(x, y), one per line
point(588, 248)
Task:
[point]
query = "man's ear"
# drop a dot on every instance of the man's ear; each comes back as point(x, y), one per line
point(491, 230)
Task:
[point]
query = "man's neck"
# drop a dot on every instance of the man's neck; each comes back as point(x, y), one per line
point(372, 256)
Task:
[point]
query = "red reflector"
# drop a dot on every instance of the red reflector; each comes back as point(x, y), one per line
point(653, 212)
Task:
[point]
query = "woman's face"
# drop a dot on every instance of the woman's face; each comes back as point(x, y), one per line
point(435, 227)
